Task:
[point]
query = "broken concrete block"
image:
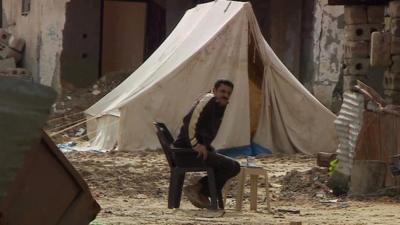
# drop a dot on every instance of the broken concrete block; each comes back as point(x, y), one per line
point(16, 43)
point(395, 67)
point(395, 45)
point(376, 14)
point(395, 27)
point(7, 52)
point(355, 14)
point(356, 66)
point(380, 49)
point(4, 36)
point(391, 81)
point(361, 32)
point(356, 49)
point(394, 9)
point(7, 64)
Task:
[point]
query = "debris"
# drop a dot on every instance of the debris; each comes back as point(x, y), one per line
point(329, 201)
point(66, 147)
point(307, 182)
point(96, 92)
point(80, 132)
point(323, 158)
point(294, 211)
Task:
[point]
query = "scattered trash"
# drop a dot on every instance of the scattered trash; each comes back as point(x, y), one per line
point(80, 132)
point(96, 92)
point(73, 146)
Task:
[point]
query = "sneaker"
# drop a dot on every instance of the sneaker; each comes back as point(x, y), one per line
point(192, 192)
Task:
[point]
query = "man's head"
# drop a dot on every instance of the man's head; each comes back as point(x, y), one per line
point(222, 91)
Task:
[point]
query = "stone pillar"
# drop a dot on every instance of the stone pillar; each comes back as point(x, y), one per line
point(360, 22)
point(391, 83)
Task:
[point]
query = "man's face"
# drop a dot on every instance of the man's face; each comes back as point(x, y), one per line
point(222, 94)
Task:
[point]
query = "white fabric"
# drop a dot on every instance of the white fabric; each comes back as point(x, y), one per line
point(211, 42)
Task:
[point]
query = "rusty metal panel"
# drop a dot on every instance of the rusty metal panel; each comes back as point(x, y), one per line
point(47, 191)
point(380, 140)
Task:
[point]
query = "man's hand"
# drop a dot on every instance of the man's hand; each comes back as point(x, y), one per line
point(202, 151)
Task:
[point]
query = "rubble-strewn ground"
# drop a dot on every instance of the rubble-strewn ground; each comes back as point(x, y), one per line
point(70, 105)
point(132, 189)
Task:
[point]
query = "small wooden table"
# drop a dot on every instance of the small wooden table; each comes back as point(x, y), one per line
point(254, 172)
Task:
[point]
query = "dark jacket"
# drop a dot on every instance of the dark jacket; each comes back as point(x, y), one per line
point(201, 124)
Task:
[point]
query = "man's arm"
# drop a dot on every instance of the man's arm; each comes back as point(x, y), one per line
point(197, 136)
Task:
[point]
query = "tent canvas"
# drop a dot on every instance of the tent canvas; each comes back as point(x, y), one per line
point(269, 108)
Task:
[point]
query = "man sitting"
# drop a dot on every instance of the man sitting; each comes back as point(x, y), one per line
point(200, 127)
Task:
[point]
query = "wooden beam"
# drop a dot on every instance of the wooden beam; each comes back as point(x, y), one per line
point(357, 2)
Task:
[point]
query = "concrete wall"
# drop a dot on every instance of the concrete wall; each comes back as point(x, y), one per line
point(42, 30)
point(328, 49)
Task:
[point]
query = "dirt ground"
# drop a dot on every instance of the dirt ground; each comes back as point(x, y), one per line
point(132, 189)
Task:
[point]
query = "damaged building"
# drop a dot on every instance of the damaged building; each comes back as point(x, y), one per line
point(75, 42)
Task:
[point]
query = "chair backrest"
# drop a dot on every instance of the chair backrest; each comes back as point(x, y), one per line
point(166, 140)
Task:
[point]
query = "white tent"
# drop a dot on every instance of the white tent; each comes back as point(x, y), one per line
point(220, 39)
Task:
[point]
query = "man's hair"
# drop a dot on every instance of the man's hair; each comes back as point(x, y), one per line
point(220, 82)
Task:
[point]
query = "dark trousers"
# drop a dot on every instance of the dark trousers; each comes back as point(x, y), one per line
point(224, 168)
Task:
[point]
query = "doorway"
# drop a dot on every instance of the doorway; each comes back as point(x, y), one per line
point(123, 36)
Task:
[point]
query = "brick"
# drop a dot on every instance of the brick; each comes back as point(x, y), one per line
point(361, 32)
point(355, 15)
point(4, 36)
point(392, 96)
point(356, 66)
point(395, 27)
point(380, 49)
point(391, 81)
point(356, 49)
point(395, 45)
point(394, 9)
point(395, 67)
point(376, 14)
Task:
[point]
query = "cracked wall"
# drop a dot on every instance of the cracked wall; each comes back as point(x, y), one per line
point(42, 30)
point(328, 49)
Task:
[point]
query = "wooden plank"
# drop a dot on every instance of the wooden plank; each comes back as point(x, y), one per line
point(239, 195)
point(253, 192)
point(357, 2)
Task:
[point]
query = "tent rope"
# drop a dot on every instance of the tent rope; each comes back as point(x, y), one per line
point(95, 131)
point(65, 125)
point(65, 116)
point(70, 127)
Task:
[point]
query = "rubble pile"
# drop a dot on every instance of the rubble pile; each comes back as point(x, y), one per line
point(311, 182)
point(11, 52)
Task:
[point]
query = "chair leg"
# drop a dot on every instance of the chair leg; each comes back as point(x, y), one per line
point(213, 188)
point(180, 180)
point(239, 195)
point(267, 192)
point(221, 203)
point(175, 188)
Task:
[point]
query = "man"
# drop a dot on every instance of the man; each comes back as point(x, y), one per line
point(200, 126)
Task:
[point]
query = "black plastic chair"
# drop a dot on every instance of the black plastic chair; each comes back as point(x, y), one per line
point(182, 161)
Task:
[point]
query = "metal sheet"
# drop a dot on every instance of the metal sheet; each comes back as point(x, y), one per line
point(47, 191)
